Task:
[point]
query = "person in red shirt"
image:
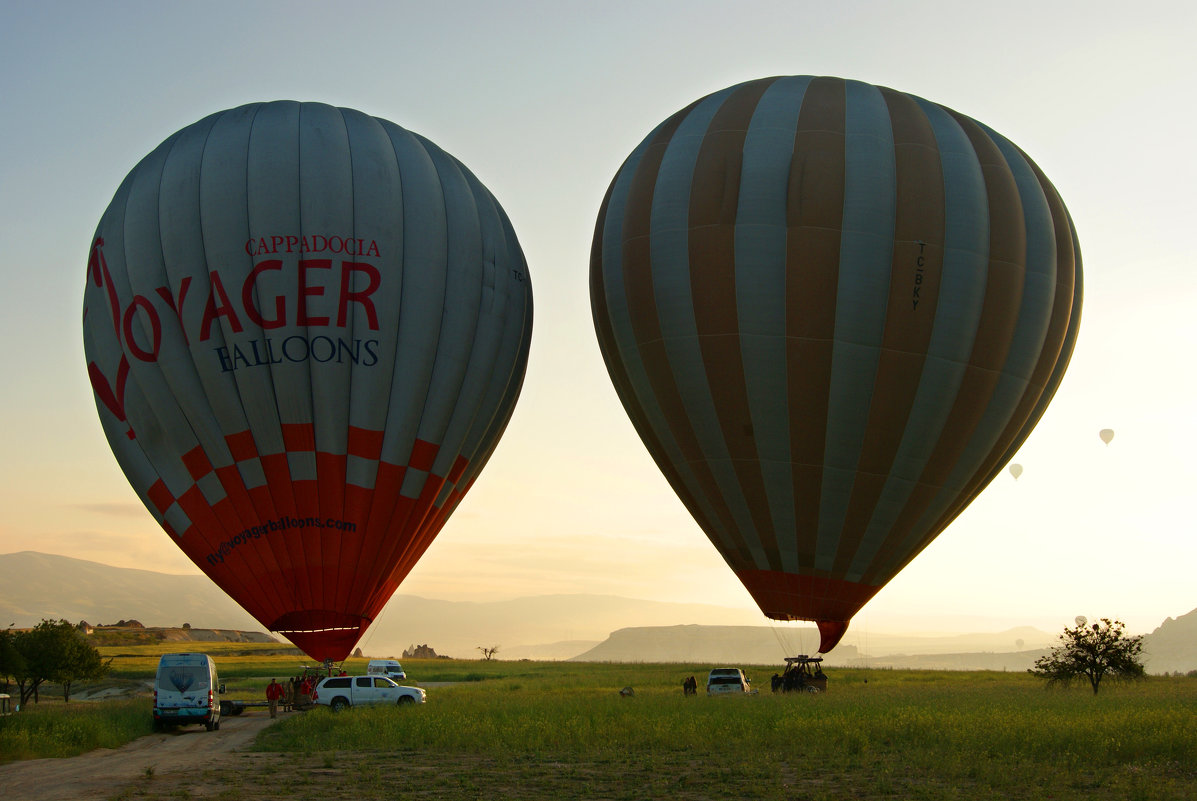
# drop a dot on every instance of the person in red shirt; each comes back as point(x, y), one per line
point(274, 691)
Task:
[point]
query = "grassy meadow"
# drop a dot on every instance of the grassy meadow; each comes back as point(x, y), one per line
point(534, 730)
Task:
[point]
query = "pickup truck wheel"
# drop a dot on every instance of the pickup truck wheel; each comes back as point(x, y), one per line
point(338, 704)
point(406, 699)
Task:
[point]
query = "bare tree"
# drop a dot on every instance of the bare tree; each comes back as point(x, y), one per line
point(1092, 652)
point(488, 653)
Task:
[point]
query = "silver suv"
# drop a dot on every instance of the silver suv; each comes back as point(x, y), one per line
point(727, 680)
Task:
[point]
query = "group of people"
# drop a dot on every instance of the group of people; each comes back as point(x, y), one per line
point(295, 692)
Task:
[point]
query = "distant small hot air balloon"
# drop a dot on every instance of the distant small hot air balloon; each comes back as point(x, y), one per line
point(833, 312)
point(1106, 435)
point(1016, 471)
point(306, 329)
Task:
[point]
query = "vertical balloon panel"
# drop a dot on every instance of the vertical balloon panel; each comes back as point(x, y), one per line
point(832, 312)
point(305, 328)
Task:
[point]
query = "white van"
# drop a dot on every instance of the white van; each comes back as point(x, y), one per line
point(186, 690)
point(386, 667)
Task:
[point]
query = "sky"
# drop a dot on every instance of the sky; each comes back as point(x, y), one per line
point(543, 101)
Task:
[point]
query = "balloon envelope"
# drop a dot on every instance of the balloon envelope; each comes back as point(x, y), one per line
point(306, 329)
point(833, 312)
point(1016, 471)
point(1107, 435)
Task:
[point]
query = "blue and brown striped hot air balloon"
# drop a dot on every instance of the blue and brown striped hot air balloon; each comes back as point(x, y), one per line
point(306, 329)
point(833, 312)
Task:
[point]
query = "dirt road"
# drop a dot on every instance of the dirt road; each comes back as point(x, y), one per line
point(105, 773)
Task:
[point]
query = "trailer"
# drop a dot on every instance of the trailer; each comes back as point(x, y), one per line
point(231, 707)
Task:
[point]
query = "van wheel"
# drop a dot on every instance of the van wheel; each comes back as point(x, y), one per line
point(209, 725)
point(338, 704)
point(216, 726)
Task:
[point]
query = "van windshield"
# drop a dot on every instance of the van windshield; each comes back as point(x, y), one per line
point(185, 678)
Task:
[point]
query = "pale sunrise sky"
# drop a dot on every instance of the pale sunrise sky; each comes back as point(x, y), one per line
point(543, 101)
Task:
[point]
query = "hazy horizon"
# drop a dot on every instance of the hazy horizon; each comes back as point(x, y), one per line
point(864, 625)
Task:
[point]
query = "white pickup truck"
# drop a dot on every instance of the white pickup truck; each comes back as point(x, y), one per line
point(341, 692)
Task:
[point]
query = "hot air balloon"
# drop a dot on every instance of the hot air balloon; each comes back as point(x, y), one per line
point(306, 329)
point(1016, 471)
point(833, 311)
point(1107, 435)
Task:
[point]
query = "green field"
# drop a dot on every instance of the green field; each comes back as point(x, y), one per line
point(535, 730)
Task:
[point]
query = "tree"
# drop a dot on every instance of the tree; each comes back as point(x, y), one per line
point(488, 653)
point(80, 661)
point(12, 663)
point(1092, 652)
point(55, 651)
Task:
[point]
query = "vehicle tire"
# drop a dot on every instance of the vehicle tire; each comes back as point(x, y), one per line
point(338, 704)
point(158, 726)
point(209, 725)
point(406, 699)
point(226, 708)
point(216, 726)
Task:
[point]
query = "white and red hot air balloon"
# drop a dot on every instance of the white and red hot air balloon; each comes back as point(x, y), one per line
point(306, 329)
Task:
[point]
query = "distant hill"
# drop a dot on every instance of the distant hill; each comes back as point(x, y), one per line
point(118, 635)
point(763, 645)
point(1170, 648)
point(34, 586)
point(539, 627)
point(1173, 646)
point(548, 652)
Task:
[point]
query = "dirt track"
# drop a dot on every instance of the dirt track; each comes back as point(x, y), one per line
point(104, 773)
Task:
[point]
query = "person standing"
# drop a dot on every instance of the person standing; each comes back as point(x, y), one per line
point(274, 691)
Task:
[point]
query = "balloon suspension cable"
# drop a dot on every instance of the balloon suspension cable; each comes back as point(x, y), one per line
point(777, 636)
point(785, 642)
point(373, 627)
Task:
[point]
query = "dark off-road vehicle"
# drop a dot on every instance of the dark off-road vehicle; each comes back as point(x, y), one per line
point(803, 674)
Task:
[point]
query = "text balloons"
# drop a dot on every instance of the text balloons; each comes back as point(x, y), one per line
point(306, 329)
point(833, 312)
